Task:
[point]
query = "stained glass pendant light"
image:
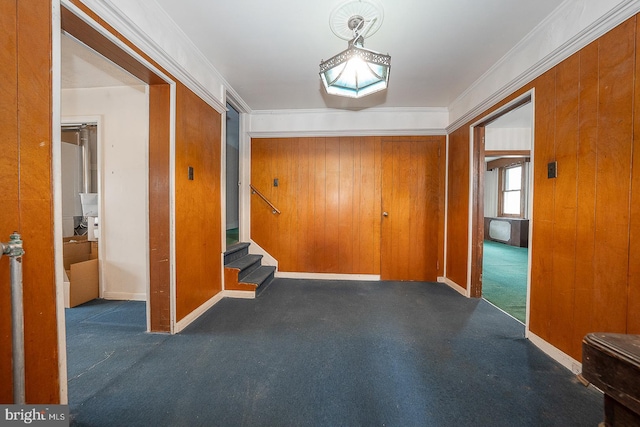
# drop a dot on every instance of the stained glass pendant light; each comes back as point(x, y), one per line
point(356, 71)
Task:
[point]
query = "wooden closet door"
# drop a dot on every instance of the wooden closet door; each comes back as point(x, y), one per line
point(411, 208)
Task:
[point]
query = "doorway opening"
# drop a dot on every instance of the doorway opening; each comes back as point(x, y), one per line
point(107, 83)
point(104, 133)
point(503, 154)
point(232, 176)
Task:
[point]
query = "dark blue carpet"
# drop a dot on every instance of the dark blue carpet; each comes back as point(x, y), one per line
point(327, 353)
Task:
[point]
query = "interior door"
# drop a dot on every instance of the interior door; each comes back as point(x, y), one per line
point(412, 208)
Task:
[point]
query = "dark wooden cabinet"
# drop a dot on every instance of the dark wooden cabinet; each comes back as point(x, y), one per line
point(611, 362)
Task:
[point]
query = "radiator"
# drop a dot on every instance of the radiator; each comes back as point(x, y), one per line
point(500, 230)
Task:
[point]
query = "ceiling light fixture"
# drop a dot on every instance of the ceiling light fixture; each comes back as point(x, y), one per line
point(356, 72)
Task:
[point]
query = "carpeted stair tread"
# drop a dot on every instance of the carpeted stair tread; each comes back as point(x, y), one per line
point(260, 275)
point(244, 262)
point(235, 252)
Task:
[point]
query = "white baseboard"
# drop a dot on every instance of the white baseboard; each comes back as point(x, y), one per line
point(327, 276)
point(239, 294)
point(125, 296)
point(189, 318)
point(453, 285)
point(559, 356)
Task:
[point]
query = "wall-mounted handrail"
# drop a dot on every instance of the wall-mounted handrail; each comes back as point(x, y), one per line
point(254, 190)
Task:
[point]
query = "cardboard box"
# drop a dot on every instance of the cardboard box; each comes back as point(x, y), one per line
point(81, 270)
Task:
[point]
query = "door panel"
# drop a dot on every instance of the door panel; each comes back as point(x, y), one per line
point(412, 201)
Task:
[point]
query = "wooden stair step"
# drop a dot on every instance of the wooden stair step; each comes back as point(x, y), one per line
point(246, 264)
point(260, 275)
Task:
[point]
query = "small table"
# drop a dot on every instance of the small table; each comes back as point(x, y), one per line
point(611, 362)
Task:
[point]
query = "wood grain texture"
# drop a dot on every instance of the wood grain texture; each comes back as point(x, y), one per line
point(159, 208)
point(411, 185)
point(26, 192)
point(198, 221)
point(330, 196)
point(9, 214)
point(585, 285)
point(458, 207)
point(36, 194)
point(563, 246)
point(613, 171)
point(231, 282)
point(327, 189)
point(477, 212)
point(584, 274)
point(633, 297)
point(543, 200)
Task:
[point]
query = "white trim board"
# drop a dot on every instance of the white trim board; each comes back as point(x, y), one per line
point(189, 318)
point(556, 354)
point(327, 276)
point(125, 296)
point(453, 285)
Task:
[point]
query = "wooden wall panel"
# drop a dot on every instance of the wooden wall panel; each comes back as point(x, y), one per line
point(345, 220)
point(458, 207)
point(584, 273)
point(26, 192)
point(585, 285)
point(565, 202)
point(36, 210)
point(320, 219)
point(9, 216)
point(613, 170)
point(198, 222)
point(544, 196)
point(330, 221)
point(633, 306)
point(330, 196)
point(411, 194)
point(160, 207)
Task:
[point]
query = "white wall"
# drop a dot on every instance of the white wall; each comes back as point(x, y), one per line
point(328, 122)
point(123, 165)
point(491, 193)
point(507, 139)
point(71, 186)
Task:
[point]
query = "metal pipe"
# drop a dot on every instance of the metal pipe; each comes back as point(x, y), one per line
point(86, 159)
point(13, 249)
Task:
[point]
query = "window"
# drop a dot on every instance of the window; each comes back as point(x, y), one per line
point(511, 201)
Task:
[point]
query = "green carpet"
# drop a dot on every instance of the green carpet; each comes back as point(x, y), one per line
point(504, 277)
point(232, 236)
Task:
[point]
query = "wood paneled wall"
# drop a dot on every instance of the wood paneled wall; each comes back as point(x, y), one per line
point(329, 195)
point(412, 240)
point(198, 212)
point(26, 193)
point(586, 222)
point(458, 206)
point(160, 207)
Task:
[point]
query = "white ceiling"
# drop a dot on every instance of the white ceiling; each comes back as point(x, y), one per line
point(269, 52)
point(521, 118)
point(83, 68)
